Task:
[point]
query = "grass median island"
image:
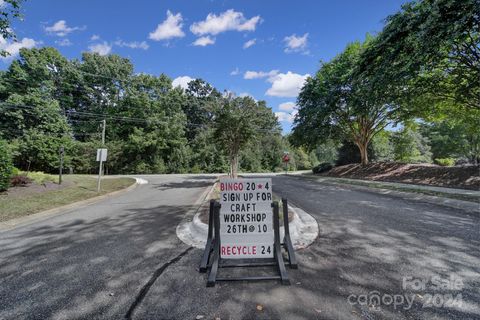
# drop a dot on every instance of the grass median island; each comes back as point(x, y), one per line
point(21, 201)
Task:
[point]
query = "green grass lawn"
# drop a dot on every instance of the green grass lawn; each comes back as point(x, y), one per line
point(78, 187)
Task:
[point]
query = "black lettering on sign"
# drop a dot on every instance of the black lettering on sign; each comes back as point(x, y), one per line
point(242, 207)
point(244, 217)
point(231, 196)
point(262, 228)
point(248, 196)
point(264, 196)
point(250, 186)
point(237, 228)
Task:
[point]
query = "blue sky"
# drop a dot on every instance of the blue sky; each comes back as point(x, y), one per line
point(261, 48)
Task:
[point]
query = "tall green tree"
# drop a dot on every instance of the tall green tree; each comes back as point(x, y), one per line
point(382, 146)
point(237, 122)
point(200, 103)
point(453, 139)
point(410, 146)
point(432, 48)
point(338, 103)
point(6, 166)
point(9, 11)
point(48, 101)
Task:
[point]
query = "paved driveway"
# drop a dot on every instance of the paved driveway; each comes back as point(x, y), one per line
point(369, 243)
point(92, 262)
point(121, 258)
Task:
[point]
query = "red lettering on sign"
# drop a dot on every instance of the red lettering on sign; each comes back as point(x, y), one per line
point(236, 250)
point(232, 186)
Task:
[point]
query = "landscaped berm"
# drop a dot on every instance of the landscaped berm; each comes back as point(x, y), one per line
point(39, 192)
point(464, 177)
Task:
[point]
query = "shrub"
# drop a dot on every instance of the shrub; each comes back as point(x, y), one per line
point(15, 171)
point(322, 167)
point(40, 177)
point(20, 181)
point(445, 162)
point(6, 166)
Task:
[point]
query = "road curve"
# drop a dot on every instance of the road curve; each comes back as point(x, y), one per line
point(120, 258)
point(369, 242)
point(92, 262)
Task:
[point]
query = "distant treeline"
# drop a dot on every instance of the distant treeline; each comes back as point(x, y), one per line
point(48, 102)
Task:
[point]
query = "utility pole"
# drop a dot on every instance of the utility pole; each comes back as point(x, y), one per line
point(60, 169)
point(104, 124)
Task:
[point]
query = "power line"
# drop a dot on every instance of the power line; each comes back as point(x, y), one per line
point(64, 133)
point(118, 118)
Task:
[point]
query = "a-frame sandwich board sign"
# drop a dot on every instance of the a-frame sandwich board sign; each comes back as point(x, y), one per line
point(246, 227)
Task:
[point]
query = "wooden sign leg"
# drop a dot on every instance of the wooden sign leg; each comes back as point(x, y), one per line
point(212, 275)
point(278, 251)
point(209, 245)
point(287, 240)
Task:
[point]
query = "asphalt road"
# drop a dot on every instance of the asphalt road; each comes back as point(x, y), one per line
point(120, 258)
point(91, 263)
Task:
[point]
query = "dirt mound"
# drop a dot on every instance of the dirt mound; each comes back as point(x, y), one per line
point(464, 177)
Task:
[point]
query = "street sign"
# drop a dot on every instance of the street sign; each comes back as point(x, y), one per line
point(246, 218)
point(102, 155)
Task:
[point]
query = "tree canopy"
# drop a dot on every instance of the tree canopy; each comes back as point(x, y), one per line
point(423, 66)
point(336, 102)
point(48, 101)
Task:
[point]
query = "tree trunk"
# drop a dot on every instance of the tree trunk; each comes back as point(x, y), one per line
point(234, 166)
point(363, 152)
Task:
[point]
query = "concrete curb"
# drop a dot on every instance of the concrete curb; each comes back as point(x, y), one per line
point(13, 223)
point(303, 230)
point(189, 227)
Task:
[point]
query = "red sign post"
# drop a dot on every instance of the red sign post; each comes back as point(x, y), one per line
point(286, 159)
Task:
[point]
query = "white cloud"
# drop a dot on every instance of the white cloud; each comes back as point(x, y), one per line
point(181, 82)
point(229, 20)
point(13, 48)
point(286, 84)
point(246, 94)
point(287, 106)
point(249, 43)
point(65, 42)
point(285, 116)
point(94, 37)
point(101, 48)
point(204, 41)
point(168, 29)
point(235, 72)
point(260, 74)
point(296, 44)
point(132, 45)
point(61, 29)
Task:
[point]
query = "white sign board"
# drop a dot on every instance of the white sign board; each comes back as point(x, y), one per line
point(102, 155)
point(246, 218)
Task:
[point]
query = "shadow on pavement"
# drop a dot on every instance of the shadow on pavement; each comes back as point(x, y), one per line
point(85, 269)
point(350, 257)
point(190, 182)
